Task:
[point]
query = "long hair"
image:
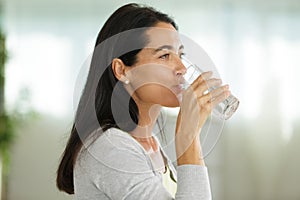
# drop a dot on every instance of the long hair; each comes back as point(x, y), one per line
point(127, 17)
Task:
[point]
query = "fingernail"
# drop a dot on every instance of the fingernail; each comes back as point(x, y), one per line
point(208, 72)
point(228, 93)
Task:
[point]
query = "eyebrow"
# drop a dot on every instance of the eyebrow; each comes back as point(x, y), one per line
point(169, 47)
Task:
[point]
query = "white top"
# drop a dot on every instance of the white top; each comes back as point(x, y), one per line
point(115, 166)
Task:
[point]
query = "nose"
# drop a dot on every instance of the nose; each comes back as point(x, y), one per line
point(180, 68)
point(180, 71)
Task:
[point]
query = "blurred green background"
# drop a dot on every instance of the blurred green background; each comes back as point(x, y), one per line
point(255, 45)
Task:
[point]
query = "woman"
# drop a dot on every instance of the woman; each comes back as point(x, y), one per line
point(136, 69)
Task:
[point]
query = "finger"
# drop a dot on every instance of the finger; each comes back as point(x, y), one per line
point(208, 106)
point(216, 92)
point(201, 78)
point(204, 86)
point(213, 94)
point(224, 95)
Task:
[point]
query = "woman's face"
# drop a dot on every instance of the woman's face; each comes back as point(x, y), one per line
point(156, 77)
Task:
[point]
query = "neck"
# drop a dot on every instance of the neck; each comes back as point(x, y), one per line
point(148, 114)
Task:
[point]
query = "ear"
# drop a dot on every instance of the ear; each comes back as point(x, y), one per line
point(119, 69)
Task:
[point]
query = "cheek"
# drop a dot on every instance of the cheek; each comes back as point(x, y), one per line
point(157, 94)
point(150, 74)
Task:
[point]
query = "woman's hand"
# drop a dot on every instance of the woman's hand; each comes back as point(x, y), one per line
point(195, 108)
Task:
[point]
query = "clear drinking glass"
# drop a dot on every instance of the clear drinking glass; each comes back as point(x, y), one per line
point(225, 109)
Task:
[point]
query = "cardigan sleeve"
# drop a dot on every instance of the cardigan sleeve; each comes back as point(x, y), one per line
point(193, 184)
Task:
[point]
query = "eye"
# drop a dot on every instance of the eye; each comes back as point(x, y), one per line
point(181, 54)
point(165, 56)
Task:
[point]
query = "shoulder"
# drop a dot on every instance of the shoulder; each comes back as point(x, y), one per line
point(114, 149)
point(114, 139)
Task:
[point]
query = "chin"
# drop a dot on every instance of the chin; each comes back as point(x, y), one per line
point(172, 102)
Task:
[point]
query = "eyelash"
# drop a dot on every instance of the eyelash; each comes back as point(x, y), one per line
point(182, 54)
point(165, 56)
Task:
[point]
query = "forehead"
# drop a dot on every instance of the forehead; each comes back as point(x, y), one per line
point(160, 36)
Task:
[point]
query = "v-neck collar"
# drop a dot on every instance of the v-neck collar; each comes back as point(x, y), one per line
point(168, 163)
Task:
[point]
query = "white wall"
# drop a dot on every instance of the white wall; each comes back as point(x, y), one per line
point(35, 158)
